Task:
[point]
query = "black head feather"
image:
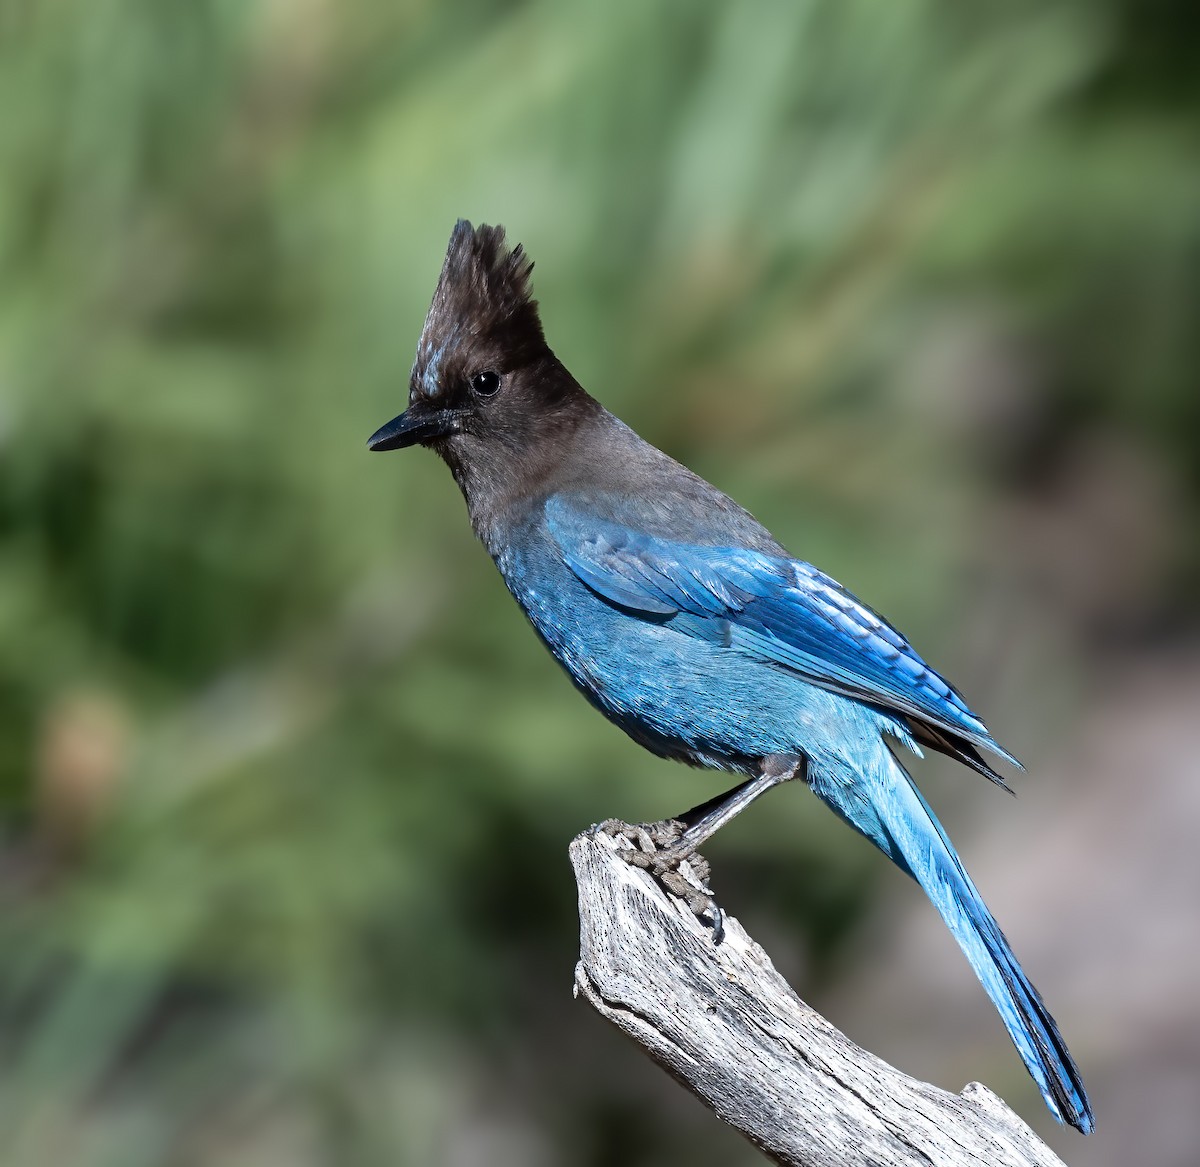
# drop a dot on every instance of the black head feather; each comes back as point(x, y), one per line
point(486, 393)
point(482, 304)
point(484, 280)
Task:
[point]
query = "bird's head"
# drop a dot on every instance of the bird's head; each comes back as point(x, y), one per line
point(485, 387)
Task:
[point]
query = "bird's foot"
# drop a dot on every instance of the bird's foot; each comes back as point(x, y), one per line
point(662, 849)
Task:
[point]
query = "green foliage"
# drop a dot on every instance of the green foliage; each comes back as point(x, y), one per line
point(286, 782)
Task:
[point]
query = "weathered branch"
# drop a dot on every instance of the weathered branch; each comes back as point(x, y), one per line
point(722, 1021)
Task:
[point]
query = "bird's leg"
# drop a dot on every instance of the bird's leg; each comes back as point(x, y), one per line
point(703, 821)
point(661, 847)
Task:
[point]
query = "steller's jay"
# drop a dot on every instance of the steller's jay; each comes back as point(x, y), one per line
point(683, 621)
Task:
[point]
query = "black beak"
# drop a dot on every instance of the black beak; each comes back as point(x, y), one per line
point(416, 426)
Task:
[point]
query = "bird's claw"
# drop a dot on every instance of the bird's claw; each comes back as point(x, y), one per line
point(659, 849)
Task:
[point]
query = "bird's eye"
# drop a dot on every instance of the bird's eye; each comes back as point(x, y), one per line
point(486, 384)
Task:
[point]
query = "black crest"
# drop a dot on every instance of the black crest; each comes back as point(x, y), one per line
point(484, 292)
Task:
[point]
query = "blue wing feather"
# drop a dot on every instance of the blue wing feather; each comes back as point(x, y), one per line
point(780, 610)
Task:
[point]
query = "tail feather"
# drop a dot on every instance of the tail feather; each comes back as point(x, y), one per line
point(887, 808)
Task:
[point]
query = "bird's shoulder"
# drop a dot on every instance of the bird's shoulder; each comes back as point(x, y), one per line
point(616, 477)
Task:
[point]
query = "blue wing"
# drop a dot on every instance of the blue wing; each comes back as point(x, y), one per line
point(778, 610)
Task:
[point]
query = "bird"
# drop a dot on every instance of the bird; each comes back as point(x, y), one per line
point(683, 620)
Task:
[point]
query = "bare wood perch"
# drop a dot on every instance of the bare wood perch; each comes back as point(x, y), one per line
point(726, 1025)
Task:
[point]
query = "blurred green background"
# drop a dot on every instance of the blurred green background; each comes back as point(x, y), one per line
point(286, 782)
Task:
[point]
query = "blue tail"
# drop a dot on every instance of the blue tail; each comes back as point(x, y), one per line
point(880, 801)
